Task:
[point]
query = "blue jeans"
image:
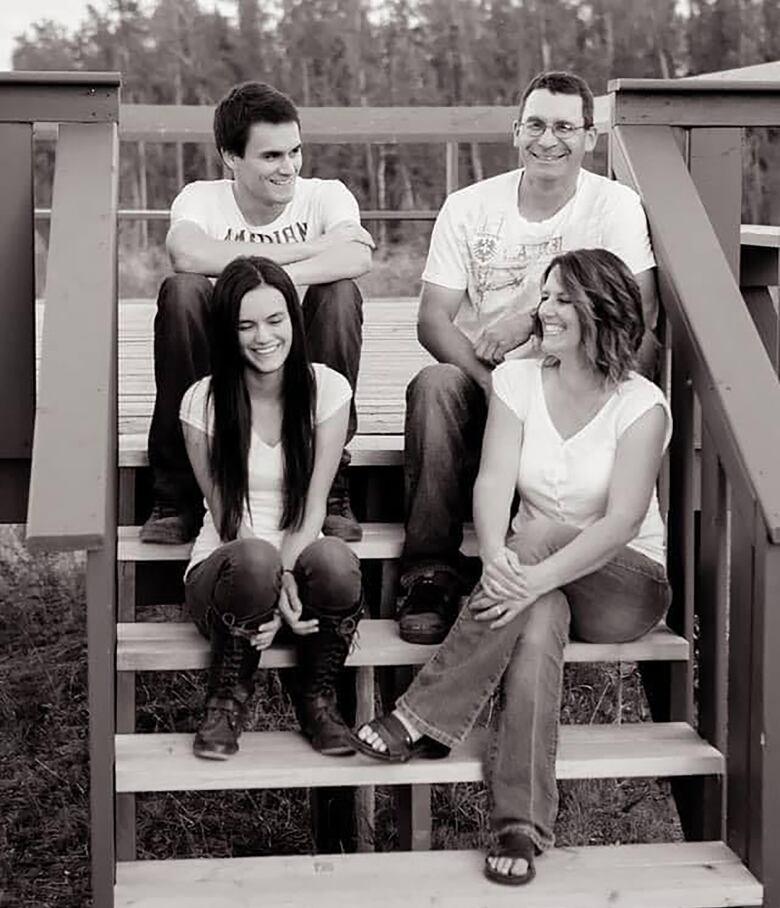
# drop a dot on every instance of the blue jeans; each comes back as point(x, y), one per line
point(619, 602)
point(445, 420)
point(238, 584)
point(333, 321)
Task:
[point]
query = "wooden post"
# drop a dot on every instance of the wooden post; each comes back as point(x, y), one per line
point(17, 318)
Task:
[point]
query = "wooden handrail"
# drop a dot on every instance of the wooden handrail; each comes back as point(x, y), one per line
point(734, 379)
point(334, 125)
point(75, 428)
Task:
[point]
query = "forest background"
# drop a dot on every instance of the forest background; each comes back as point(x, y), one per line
point(387, 52)
point(322, 52)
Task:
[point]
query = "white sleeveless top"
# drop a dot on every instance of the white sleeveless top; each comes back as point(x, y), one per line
point(568, 479)
point(266, 463)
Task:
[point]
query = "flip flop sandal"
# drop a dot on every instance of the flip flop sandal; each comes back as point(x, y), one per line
point(512, 845)
point(400, 747)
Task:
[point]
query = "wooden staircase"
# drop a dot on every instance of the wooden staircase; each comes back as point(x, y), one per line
point(718, 732)
point(695, 874)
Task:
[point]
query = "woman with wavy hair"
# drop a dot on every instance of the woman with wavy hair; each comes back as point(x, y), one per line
point(579, 436)
point(264, 433)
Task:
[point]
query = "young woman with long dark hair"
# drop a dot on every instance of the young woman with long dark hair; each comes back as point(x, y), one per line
point(580, 436)
point(264, 433)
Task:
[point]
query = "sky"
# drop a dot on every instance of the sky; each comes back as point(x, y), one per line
point(16, 17)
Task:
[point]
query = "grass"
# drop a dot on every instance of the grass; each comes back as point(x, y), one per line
point(44, 774)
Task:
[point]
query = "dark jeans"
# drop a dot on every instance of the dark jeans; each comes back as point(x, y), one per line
point(445, 421)
point(239, 582)
point(619, 602)
point(333, 319)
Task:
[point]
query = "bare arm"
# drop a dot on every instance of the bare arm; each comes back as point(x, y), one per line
point(342, 252)
point(329, 443)
point(495, 484)
point(197, 444)
point(437, 333)
point(648, 351)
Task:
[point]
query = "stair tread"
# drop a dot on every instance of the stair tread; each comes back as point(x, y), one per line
point(283, 759)
point(380, 540)
point(678, 875)
point(163, 646)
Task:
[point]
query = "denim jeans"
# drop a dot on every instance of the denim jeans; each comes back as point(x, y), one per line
point(619, 602)
point(333, 320)
point(445, 420)
point(238, 584)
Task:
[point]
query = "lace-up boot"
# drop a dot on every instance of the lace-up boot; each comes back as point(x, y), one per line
point(231, 684)
point(339, 520)
point(429, 607)
point(321, 658)
point(170, 526)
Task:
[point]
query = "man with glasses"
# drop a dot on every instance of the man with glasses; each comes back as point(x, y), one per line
point(489, 247)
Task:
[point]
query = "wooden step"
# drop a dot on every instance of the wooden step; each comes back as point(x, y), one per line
point(366, 450)
point(380, 540)
point(158, 646)
point(680, 875)
point(283, 759)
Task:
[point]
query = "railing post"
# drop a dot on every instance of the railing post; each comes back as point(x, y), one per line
point(769, 753)
point(17, 316)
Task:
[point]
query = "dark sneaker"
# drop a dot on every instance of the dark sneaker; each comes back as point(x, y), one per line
point(429, 609)
point(168, 526)
point(218, 734)
point(339, 520)
point(322, 724)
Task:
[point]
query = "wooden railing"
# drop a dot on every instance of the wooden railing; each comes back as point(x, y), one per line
point(678, 144)
point(73, 478)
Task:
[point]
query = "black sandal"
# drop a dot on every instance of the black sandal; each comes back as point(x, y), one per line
point(400, 747)
point(513, 845)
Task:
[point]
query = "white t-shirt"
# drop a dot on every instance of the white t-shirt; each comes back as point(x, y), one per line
point(266, 463)
point(317, 206)
point(481, 244)
point(568, 479)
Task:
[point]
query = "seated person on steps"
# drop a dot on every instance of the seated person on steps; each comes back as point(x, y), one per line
point(580, 437)
point(490, 243)
point(310, 227)
point(264, 433)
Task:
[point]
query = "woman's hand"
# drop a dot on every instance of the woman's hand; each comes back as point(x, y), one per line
point(266, 632)
point(291, 607)
point(503, 577)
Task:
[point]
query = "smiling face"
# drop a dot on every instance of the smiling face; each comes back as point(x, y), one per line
point(558, 317)
point(547, 157)
point(266, 173)
point(264, 329)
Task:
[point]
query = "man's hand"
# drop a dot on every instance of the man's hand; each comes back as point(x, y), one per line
point(291, 608)
point(510, 331)
point(345, 232)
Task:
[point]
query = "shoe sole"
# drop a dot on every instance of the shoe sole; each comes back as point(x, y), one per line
point(213, 755)
point(429, 638)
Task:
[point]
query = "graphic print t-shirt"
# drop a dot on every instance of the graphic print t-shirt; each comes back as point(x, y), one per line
point(317, 206)
point(482, 245)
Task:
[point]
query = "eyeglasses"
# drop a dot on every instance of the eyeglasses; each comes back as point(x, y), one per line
point(561, 129)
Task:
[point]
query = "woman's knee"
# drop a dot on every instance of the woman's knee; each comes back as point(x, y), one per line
point(328, 576)
point(248, 583)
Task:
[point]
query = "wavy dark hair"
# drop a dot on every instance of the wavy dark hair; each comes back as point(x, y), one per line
point(229, 444)
point(609, 306)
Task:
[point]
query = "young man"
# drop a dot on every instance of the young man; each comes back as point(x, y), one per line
point(309, 226)
point(490, 243)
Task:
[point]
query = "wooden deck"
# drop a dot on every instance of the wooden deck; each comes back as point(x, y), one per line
point(391, 357)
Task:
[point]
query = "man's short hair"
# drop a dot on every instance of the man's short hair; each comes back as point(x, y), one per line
point(562, 83)
point(242, 107)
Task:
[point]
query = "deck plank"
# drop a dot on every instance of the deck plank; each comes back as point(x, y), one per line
point(172, 646)
point(680, 875)
point(284, 759)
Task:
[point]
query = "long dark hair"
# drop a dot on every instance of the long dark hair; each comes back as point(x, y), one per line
point(229, 444)
point(608, 303)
